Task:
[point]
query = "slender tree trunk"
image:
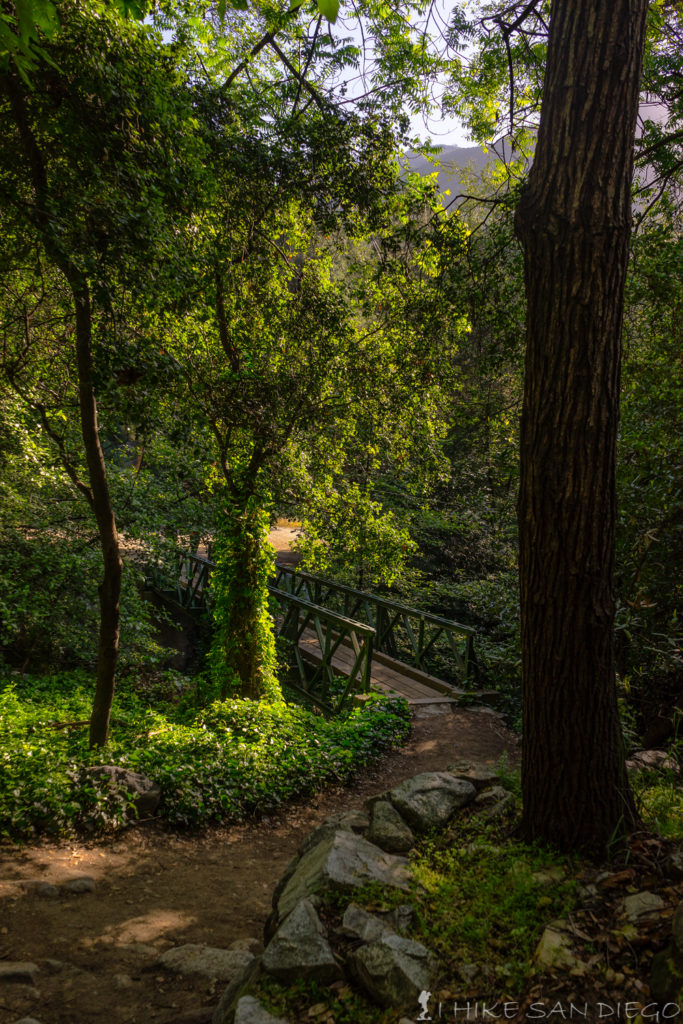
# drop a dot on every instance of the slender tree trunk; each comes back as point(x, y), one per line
point(574, 219)
point(110, 588)
point(97, 494)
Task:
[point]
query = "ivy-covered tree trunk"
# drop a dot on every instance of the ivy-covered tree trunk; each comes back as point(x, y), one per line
point(243, 659)
point(574, 219)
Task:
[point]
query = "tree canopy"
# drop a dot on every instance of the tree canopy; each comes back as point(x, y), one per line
point(227, 297)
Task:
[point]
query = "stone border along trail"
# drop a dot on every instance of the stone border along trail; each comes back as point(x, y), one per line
point(97, 945)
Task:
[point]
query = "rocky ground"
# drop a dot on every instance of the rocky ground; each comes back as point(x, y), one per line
point(93, 950)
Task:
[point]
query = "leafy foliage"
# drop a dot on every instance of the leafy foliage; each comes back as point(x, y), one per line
point(221, 763)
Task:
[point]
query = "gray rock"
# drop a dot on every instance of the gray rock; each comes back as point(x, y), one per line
point(123, 981)
point(641, 904)
point(354, 821)
point(393, 970)
point(18, 973)
point(358, 924)
point(238, 987)
point(39, 888)
point(82, 884)
point(299, 949)
point(644, 759)
point(145, 793)
point(322, 834)
point(554, 951)
point(341, 862)
point(431, 799)
point(388, 829)
point(335, 823)
point(491, 796)
point(481, 778)
point(207, 961)
point(250, 1011)
point(27, 1020)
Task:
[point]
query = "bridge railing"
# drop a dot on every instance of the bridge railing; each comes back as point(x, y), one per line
point(408, 634)
point(317, 638)
point(331, 654)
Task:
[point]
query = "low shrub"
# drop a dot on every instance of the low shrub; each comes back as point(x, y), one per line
point(226, 761)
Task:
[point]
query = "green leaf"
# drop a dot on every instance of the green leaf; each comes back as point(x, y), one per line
point(239, 5)
point(329, 9)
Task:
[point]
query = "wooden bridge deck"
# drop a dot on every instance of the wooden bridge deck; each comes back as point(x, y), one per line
point(386, 674)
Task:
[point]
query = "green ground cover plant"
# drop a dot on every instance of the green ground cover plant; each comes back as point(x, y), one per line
point(659, 798)
point(220, 762)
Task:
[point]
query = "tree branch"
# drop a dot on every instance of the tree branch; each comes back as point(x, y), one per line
point(300, 79)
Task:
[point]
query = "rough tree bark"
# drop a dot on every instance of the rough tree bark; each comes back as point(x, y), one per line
point(574, 220)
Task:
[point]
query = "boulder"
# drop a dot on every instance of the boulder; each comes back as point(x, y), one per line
point(431, 799)
point(145, 793)
point(342, 861)
point(250, 1011)
point(388, 829)
point(299, 949)
point(481, 778)
point(393, 970)
point(358, 924)
point(207, 961)
point(347, 822)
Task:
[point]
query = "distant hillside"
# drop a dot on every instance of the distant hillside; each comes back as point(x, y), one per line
point(456, 161)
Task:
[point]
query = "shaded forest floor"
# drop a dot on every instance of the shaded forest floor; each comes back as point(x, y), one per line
point(97, 951)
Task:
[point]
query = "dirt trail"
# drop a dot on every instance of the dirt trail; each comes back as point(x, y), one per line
point(96, 951)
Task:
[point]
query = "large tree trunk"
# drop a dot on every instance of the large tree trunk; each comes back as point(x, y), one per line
point(574, 219)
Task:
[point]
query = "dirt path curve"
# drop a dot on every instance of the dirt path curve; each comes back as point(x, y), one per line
point(96, 952)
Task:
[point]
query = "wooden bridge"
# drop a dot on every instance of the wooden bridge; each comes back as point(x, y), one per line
point(341, 641)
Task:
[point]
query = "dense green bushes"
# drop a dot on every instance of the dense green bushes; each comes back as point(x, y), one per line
point(223, 762)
